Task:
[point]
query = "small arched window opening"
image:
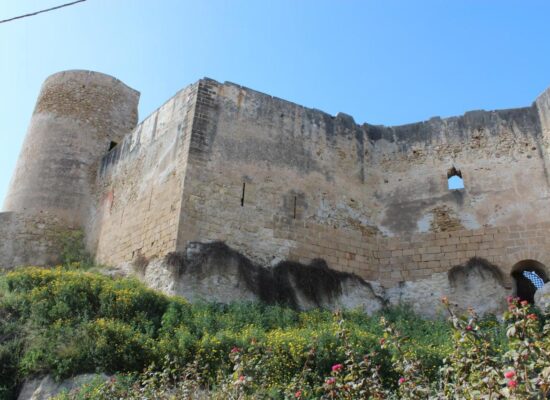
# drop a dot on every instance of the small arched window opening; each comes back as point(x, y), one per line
point(529, 276)
point(454, 179)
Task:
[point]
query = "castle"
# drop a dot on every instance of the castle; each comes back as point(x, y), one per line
point(278, 181)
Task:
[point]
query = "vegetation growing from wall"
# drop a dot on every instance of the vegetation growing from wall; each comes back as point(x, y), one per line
point(64, 322)
point(73, 250)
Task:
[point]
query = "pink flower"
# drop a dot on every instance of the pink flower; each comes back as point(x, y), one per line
point(509, 374)
point(235, 349)
point(469, 327)
point(532, 316)
point(242, 378)
point(330, 381)
point(512, 384)
point(509, 299)
point(337, 367)
point(298, 394)
point(401, 380)
point(524, 303)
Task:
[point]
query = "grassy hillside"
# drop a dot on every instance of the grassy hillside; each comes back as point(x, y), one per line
point(65, 322)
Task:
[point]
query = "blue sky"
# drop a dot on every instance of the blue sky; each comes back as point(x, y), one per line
point(383, 62)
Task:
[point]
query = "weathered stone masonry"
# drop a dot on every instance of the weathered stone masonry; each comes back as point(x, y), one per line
point(278, 181)
point(141, 184)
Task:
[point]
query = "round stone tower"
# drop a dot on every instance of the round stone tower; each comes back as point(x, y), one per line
point(79, 115)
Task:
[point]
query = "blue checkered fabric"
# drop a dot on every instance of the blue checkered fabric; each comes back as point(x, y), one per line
point(533, 277)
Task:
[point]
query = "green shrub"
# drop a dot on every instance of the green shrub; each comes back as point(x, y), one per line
point(73, 250)
point(64, 322)
point(10, 353)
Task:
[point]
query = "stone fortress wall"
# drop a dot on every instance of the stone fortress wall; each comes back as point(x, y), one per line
point(278, 181)
point(140, 186)
point(367, 199)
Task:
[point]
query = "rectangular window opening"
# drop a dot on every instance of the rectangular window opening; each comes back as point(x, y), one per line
point(454, 179)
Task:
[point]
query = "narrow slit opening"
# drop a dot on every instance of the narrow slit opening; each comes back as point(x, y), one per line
point(294, 207)
point(242, 197)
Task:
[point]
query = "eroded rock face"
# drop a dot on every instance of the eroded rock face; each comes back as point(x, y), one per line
point(45, 387)
point(542, 297)
point(422, 295)
point(215, 272)
point(477, 284)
